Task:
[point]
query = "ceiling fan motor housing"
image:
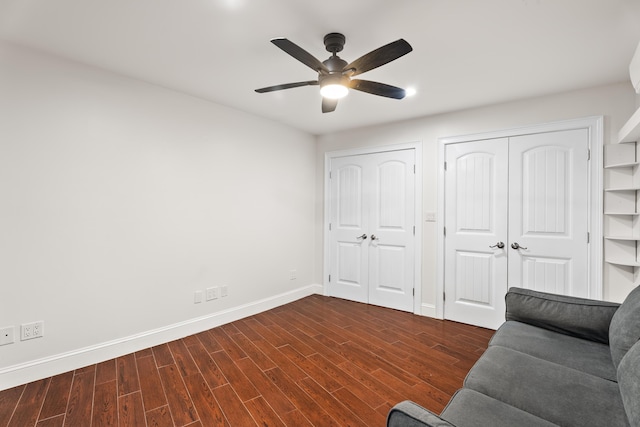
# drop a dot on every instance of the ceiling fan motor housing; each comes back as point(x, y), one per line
point(334, 42)
point(335, 64)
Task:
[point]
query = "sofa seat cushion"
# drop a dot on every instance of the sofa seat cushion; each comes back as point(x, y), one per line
point(577, 353)
point(558, 394)
point(470, 408)
point(629, 379)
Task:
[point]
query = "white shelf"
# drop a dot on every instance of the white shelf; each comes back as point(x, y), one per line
point(622, 189)
point(630, 132)
point(630, 238)
point(622, 213)
point(627, 263)
point(622, 165)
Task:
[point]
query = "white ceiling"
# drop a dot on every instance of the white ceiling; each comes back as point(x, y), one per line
point(466, 52)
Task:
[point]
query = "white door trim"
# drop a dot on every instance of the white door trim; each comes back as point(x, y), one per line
point(594, 125)
point(417, 146)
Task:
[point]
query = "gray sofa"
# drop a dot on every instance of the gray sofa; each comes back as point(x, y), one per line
point(556, 361)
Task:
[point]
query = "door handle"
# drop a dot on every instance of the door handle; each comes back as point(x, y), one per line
point(363, 237)
point(516, 245)
point(498, 245)
point(374, 237)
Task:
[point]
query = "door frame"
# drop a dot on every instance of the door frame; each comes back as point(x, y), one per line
point(328, 156)
point(594, 125)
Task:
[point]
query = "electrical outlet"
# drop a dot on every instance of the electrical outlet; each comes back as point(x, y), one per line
point(224, 291)
point(29, 331)
point(212, 293)
point(26, 332)
point(6, 335)
point(293, 274)
point(197, 297)
point(38, 329)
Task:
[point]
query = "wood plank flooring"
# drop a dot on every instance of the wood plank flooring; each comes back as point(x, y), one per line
point(318, 361)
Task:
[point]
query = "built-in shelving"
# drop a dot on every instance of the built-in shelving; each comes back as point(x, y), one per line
point(622, 202)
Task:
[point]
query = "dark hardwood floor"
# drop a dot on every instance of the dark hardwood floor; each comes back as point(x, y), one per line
point(318, 361)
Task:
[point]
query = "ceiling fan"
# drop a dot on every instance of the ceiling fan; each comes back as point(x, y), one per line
point(335, 74)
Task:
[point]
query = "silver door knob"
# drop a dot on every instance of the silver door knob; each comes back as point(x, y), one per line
point(374, 237)
point(363, 237)
point(498, 245)
point(515, 245)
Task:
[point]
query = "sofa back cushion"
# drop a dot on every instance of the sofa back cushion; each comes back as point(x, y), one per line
point(578, 317)
point(629, 381)
point(624, 330)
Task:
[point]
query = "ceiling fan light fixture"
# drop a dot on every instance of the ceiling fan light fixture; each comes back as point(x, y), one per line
point(334, 86)
point(334, 91)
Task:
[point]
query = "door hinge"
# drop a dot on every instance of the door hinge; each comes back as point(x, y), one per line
point(414, 292)
point(329, 174)
point(445, 230)
point(588, 154)
point(414, 230)
point(445, 165)
point(414, 169)
point(588, 237)
point(329, 226)
point(444, 296)
point(329, 278)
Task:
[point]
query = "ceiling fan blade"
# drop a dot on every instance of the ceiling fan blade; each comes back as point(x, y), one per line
point(329, 105)
point(376, 88)
point(301, 55)
point(287, 86)
point(380, 56)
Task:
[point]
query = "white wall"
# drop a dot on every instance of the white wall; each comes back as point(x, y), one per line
point(119, 199)
point(614, 102)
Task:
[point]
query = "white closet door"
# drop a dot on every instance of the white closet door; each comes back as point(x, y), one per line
point(548, 203)
point(476, 185)
point(391, 223)
point(372, 228)
point(349, 229)
point(528, 193)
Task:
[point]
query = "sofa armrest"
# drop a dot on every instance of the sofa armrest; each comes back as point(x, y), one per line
point(410, 414)
point(578, 317)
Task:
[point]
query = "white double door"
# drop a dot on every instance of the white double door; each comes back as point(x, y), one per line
point(371, 230)
point(516, 215)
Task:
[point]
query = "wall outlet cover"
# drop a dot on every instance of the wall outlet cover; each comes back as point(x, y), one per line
point(7, 335)
point(29, 331)
point(211, 293)
point(197, 297)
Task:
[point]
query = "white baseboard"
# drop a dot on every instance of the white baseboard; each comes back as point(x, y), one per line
point(53, 365)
